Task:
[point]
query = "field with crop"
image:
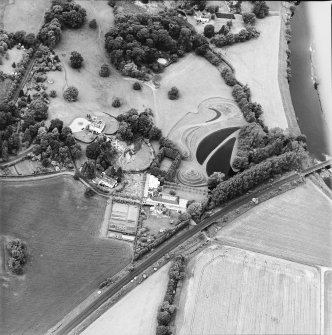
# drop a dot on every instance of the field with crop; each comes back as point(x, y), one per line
point(295, 225)
point(67, 259)
point(123, 217)
point(136, 313)
point(234, 291)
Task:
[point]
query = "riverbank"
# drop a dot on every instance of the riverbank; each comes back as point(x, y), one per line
point(319, 19)
point(293, 125)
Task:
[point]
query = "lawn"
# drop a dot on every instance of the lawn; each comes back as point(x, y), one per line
point(95, 93)
point(295, 225)
point(14, 55)
point(136, 313)
point(234, 291)
point(25, 15)
point(67, 258)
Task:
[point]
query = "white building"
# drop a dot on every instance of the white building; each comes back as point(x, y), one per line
point(151, 184)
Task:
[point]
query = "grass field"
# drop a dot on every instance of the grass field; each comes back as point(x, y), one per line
point(196, 80)
point(136, 313)
point(234, 291)
point(95, 93)
point(294, 225)
point(14, 55)
point(24, 15)
point(67, 258)
point(256, 63)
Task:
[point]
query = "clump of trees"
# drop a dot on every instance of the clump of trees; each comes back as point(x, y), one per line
point(133, 126)
point(139, 40)
point(214, 179)
point(167, 309)
point(71, 94)
point(195, 210)
point(62, 13)
point(249, 18)
point(261, 9)
point(56, 143)
point(102, 151)
point(18, 254)
point(76, 60)
point(173, 93)
point(228, 76)
point(104, 71)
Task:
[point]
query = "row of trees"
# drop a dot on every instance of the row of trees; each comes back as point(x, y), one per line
point(17, 255)
point(255, 175)
point(133, 125)
point(167, 309)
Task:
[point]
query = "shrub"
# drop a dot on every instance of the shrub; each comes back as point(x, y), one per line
point(173, 93)
point(76, 60)
point(172, 192)
point(89, 192)
point(71, 94)
point(93, 24)
point(116, 103)
point(137, 86)
point(104, 71)
point(112, 3)
point(53, 94)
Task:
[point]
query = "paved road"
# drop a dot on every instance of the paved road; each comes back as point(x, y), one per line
point(168, 247)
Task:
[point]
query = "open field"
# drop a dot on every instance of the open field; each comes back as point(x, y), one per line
point(95, 93)
point(136, 313)
point(14, 55)
point(234, 291)
point(256, 64)
point(67, 258)
point(328, 302)
point(24, 15)
point(295, 225)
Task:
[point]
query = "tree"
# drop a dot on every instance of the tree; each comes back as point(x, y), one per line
point(173, 93)
point(137, 86)
point(195, 210)
point(93, 24)
point(71, 93)
point(89, 192)
point(38, 109)
point(163, 330)
point(104, 71)
point(261, 9)
point(116, 102)
point(56, 123)
point(93, 150)
point(214, 179)
point(76, 60)
point(53, 94)
point(164, 318)
point(209, 30)
point(249, 18)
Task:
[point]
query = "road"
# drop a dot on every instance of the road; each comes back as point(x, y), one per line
point(167, 247)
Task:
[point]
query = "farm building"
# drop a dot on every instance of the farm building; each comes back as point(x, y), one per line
point(96, 125)
point(105, 181)
point(151, 185)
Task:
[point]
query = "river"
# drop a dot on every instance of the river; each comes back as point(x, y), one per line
point(307, 103)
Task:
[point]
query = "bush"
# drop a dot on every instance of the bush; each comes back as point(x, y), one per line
point(104, 71)
point(137, 86)
point(172, 192)
point(112, 3)
point(173, 93)
point(53, 94)
point(71, 94)
point(93, 24)
point(116, 103)
point(76, 60)
point(89, 192)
